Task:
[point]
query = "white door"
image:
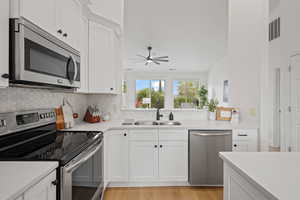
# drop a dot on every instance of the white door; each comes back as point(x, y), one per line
point(143, 161)
point(41, 13)
point(173, 161)
point(4, 39)
point(68, 20)
point(44, 190)
point(295, 103)
point(117, 155)
point(101, 59)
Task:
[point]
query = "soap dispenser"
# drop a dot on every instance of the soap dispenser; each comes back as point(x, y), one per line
point(171, 116)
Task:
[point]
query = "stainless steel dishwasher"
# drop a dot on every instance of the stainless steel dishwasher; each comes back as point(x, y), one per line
point(205, 166)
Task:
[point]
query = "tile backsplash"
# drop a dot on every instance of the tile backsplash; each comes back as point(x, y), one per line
point(19, 99)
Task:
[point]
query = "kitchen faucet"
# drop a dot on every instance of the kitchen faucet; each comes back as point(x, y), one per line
point(158, 115)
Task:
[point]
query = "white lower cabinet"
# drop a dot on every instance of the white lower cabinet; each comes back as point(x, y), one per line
point(237, 187)
point(146, 158)
point(143, 164)
point(43, 190)
point(245, 140)
point(173, 161)
point(117, 156)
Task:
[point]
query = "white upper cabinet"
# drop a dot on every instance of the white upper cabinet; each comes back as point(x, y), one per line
point(58, 17)
point(102, 55)
point(4, 30)
point(41, 13)
point(68, 21)
point(109, 9)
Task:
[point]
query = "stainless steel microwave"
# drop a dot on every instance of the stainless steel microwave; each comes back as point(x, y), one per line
point(39, 58)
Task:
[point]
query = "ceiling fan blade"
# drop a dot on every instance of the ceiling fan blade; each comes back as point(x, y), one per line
point(142, 56)
point(161, 60)
point(161, 57)
point(156, 62)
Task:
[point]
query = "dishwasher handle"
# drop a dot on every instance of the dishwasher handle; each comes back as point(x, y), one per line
point(211, 134)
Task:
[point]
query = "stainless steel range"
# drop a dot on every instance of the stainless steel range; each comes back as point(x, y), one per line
point(32, 136)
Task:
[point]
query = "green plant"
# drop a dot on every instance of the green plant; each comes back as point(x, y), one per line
point(203, 92)
point(212, 105)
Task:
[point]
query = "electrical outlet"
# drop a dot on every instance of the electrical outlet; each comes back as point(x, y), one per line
point(252, 112)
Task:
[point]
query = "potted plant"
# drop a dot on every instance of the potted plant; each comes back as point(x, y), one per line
point(212, 107)
point(203, 92)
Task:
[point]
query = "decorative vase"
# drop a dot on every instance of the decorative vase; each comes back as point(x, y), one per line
point(212, 115)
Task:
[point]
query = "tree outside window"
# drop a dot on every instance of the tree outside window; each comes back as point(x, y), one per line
point(186, 93)
point(150, 94)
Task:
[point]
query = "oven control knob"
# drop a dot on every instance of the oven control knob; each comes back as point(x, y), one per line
point(41, 116)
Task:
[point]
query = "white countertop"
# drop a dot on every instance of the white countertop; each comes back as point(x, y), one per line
point(190, 124)
point(276, 173)
point(17, 177)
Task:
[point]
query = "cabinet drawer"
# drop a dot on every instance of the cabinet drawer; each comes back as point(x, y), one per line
point(143, 134)
point(244, 134)
point(173, 134)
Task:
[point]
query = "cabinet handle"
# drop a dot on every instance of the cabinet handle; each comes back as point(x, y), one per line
point(6, 76)
point(65, 35)
point(59, 31)
point(55, 182)
point(161, 146)
point(125, 134)
point(155, 146)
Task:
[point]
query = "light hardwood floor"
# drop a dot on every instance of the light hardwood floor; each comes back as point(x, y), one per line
point(164, 193)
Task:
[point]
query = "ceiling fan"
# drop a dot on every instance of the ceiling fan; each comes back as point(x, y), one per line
point(157, 60)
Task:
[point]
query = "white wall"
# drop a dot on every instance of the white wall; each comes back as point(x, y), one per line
point(247, 60)
point(217, 75)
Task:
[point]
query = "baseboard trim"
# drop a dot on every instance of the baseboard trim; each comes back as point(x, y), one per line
point(146, 184)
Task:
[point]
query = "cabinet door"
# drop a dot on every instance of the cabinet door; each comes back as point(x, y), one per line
point(68, 20)
point(19, 198)
point(41, 13)
point(101, 59)
point(4, 49)
point(240, 146)
point(173, 161)
point(143, 160)
point(44, 190)
point(118, 155)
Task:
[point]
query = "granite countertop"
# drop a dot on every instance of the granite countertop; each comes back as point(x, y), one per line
point(276, 173)
point(189, 124)
point(17, 177)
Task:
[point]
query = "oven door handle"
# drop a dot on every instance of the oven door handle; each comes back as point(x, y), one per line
point(87, 155)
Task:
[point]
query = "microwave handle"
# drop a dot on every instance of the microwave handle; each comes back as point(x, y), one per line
point(76, 68)
point(72, 79)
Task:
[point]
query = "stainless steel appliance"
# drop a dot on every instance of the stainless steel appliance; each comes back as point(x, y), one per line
point(205, 166)
point(39, 58)
point(32, 136)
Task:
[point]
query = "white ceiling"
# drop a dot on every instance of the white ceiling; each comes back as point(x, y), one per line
point(193, 33)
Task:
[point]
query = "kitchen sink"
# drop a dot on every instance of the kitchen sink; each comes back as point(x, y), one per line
point(146, 123)
point(169, 123)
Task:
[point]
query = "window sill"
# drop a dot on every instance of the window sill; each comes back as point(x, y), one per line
point(165, 109)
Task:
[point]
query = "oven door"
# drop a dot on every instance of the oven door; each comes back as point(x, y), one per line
point(82, 178)
point(39, 57)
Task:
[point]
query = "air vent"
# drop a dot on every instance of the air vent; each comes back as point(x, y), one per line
point(274, 29)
